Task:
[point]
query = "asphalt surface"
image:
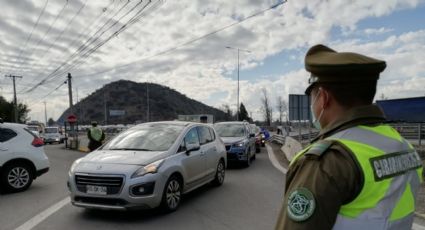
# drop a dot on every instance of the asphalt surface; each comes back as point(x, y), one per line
point(249, 199)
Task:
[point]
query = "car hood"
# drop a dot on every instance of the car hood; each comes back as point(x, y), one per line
point(124, 157)
point(231, 140)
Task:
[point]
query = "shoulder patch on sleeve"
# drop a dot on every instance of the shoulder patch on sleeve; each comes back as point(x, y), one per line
point(301, 204)
point(319, 147)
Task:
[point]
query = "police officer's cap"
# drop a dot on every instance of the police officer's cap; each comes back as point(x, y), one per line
point(328, 66)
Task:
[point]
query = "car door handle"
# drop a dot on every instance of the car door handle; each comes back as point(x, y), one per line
point(202, 153)
point(4, 149)
point(214, 149)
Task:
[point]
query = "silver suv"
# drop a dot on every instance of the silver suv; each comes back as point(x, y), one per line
point(149, 165)
point(239, 140)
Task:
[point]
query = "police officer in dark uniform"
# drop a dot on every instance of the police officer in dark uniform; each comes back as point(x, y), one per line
point(359, 173)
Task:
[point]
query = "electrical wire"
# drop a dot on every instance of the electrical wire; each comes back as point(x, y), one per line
point(188, 42)
point(48, 30)
point(92, 49)
point(30, 35)
point(133, 20)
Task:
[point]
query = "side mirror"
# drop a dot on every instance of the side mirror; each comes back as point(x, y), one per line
point(252, 135)
point(192, 147)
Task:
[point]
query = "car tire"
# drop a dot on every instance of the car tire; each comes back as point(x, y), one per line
point(172, 194)
point(248, 159)
point(257, 149)
point(219, 174)
point(17, 177)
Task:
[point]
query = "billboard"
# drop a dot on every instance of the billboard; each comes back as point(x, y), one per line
point(299, 107)
point(116, 113)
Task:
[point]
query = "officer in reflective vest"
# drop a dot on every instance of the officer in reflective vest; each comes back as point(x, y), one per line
point(96, 136)
point(359, 173)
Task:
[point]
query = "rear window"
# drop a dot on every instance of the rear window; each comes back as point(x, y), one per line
point(6, 134)
point(51, 130)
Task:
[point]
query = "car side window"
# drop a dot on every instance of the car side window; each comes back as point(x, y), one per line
point(204, 135)
point(191, 137)
point(212, 134)
point(6, 134)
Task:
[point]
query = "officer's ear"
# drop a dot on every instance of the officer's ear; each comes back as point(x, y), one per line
point(325, 97)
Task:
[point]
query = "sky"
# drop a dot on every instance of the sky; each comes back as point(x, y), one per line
point(182, 44)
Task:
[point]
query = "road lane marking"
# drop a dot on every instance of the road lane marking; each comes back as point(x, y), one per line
point(417, 227)
point(274, 161)
point(31, 223)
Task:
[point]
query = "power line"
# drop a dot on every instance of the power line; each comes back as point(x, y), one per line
point(47, 32)
point(89, 52)
point(32, 31)
point(133, 20)
point(188, 42)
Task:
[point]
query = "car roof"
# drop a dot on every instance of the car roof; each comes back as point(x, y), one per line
point(181, 123)
point(12, 125)
point(233, 122)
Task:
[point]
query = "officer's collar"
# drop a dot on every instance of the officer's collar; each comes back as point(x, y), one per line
point(362, 115)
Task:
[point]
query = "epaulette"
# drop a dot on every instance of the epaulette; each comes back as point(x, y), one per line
point(320, 147)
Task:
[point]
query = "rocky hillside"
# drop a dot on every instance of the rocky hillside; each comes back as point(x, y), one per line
point(164, 103)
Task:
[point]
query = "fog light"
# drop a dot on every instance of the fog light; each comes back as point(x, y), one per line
point(142, 189)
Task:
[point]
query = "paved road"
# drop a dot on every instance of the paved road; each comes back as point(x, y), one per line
point(249, 199)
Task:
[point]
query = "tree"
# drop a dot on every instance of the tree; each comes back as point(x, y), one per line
point(228, 112)
point(266, 108)
point(7, 111)
point(281, 108)
point(243, 114)
point(51, 122)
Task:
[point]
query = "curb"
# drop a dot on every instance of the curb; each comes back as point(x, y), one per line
point(420, 215)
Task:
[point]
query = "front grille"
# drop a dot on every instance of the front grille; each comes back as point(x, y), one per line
point(227, 147)
point(113, 184)
point(102, 201)
point(232, 156)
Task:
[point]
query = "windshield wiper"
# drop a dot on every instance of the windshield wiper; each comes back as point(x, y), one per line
point(132, 149)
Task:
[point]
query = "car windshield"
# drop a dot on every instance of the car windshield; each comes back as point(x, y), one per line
point(51, 130)
point(230, 130)
point(33, 128)
point(146, 137)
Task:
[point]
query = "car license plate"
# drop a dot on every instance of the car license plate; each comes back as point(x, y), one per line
point(96, 190)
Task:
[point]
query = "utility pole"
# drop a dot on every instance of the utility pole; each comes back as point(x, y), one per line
point(70, 93)
point(45, 113)
point(14, 95)
point(147, 102)
point(247, 51)
point(104, 106)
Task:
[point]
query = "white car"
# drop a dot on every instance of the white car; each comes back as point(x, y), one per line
point(52, 135)
point(22, 157)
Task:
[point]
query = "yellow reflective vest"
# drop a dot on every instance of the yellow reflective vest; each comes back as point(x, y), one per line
point(96, 133)
point(392, 172)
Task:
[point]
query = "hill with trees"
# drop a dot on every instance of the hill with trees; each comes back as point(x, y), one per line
point(125, 102)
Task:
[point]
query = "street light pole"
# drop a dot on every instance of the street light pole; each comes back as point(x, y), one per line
point(247, 51)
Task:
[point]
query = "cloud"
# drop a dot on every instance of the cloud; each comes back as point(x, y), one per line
point(201, 69)
point(377, 31)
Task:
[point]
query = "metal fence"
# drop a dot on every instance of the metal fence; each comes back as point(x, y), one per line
point(411, 131)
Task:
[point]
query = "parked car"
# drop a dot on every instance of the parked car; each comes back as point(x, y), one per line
point(52, 135)
point(35, 129)
point(22, 157)
point(259, 140)
point(147, 166)
point(238, 139)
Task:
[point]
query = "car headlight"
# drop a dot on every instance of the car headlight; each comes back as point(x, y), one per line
point(150, 168)
point(239, 144)
point(263, 136)
point(74, 165)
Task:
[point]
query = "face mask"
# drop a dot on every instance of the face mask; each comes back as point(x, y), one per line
point(316, 121)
